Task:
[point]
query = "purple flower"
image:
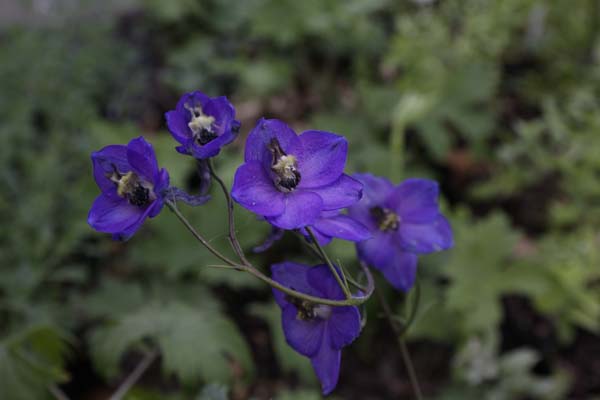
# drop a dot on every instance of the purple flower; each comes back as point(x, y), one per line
point(291, 179)
point(132, 188)
point(202, 124)
point(316, 331)
point(335, 224)
point(405, 221)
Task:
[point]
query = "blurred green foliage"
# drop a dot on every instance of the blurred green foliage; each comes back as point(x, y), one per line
point(496, 100)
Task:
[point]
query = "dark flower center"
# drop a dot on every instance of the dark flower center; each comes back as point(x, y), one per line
point(201, 125)
point(386, 219)
point(284, 167)
point(130, 186)
point(308, 311)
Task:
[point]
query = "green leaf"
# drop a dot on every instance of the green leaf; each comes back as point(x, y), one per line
point(30, 361)
point(195, 343)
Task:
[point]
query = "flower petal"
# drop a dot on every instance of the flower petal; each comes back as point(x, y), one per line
point(322, 280)
point(178, 119)
point(104, 161)
point(304, 336)
point(114, 215)
point(415, 200)
point(322, 238)
point(340, 194)
point(261, 135)
point(156, 207)
point(323, 159)
point(426, 238)
point(211, 148)
point(223, 112)
point(293, 276)
point(142, 159)
point(128, 232)
point(326, 364)
point(401, 270)
point(301, 209)
point(375, 191)
point(343, 227)
point(178, 125)
point(343, 326)
point(161, 182)
point(377, 251)
point(254, 190)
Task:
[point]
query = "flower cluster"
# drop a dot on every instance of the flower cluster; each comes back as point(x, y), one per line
point(293, 182)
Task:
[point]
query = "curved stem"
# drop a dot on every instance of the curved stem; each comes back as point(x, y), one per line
point(341, 280)
point(198, 237)
point(232, 237)
point(316, 253)
point(412, 375)
point(352, 301)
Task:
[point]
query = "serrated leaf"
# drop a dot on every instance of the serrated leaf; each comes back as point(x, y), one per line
point(30, 361)
point(195, 343)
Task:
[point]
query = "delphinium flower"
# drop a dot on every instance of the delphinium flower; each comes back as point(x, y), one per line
point(405, 221)
point(202, 124)
point(332, 224)
point(316, 331)
point(290, 179)
point(133, 188)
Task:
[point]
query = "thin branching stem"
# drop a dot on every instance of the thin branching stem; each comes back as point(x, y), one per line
point(235, 244)
point(412, 375)
point(413, 310)
point(198, 237)
point(352, 301)
point(341, 280)
point(135, 375)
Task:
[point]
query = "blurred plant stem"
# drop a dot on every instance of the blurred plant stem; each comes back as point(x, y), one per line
point(135, 375)
point(399, 332)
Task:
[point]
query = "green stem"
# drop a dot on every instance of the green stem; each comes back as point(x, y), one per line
point(355, 283)
point(198, 237)
point(412, 375)
point(341, 281)
point(413, 310)
point(232, 236)
point(352, 301)
point(346, 276)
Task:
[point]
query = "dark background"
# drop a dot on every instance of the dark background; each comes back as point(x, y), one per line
point(497, 100)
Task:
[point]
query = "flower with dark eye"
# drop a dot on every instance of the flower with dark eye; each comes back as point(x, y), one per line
point(405, 221)
point(316, 331)
point(132, 188)
point(202, 124)
point(290, 179)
